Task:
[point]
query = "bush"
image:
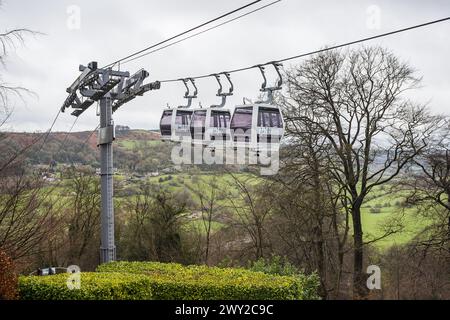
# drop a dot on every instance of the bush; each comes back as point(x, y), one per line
point(176, 282)
point(281, 266)
point(93, 286)
point(275, 265)
point(8, 278)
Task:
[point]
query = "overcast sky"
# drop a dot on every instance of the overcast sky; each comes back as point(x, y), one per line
point(108, 30)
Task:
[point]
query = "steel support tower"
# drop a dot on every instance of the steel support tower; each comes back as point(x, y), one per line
point(108, 248)
point(111, 89)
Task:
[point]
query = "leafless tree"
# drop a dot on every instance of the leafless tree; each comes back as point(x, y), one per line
point(208, 193)
point(82, 218)
point(251, 208)
point(9, 41)
point(137, 241)
point(427, 184)
point(355, 100)
point(27, 215)
point(308, 214)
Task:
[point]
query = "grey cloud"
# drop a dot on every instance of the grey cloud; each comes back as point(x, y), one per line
point(111, 29)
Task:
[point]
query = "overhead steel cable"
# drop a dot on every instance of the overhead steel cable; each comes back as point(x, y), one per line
point(47, 134)
point(319, 50)
point(90, 135)
point(29, 146)
point(201, 32)
point(182, 33)
point(64, 140)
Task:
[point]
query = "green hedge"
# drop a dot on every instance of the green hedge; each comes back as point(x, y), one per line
point(93, 286)
point(176, 282)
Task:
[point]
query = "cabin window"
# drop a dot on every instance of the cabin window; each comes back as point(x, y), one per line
point(219, 119)
point(166, 118)
point(183, 117)
point(269, 118)
point(242, 119)
point(199, 119)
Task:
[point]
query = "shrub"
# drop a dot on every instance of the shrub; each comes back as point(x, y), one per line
point(281, 266)
point(93, 286)
point(275, 265)
point(8, 278)
point(176, 282)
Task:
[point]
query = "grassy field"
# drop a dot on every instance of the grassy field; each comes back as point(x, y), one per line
point(132, 144)
point(382, 207)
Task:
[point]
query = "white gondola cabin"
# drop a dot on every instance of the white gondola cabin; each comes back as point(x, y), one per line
point(174, 124)
point(210, 127)
point(257, 127)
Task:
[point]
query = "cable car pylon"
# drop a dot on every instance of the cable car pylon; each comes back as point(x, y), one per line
point(111, 89)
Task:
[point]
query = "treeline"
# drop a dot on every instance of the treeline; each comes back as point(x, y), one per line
point(142, 154)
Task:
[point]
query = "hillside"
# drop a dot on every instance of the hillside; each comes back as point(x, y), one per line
point(141, 155)
point(135, 150)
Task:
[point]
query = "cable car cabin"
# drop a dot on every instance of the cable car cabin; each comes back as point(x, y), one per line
point(258, 127)
point(174, 124)
point(211, 127)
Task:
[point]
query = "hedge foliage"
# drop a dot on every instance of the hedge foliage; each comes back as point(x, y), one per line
point(93, 286)
point(176, 282)
point(153, 280)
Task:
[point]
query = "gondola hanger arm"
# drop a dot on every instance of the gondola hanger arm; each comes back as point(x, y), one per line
point(220, 92)
point(188, 94)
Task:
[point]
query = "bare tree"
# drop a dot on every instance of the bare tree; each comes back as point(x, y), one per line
point(137, 241)
point(251, 209)
point(82, 218)
point(428, 185)
point(9, 41)
point(169, 209)
point(314, 224)
point(355, 101)
point(208, 193)
point(27, 215)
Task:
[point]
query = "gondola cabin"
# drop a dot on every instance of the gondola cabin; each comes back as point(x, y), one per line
point(174, 124)
point(211, 127)
point(257, 127)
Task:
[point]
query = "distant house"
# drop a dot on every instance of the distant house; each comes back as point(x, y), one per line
point(120, 128)
point(115, 171)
